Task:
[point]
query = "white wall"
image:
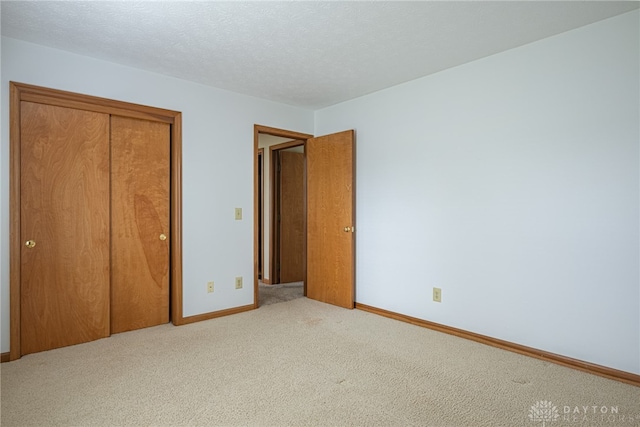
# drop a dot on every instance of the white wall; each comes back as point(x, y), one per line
point(217, 163)
point(512, 183)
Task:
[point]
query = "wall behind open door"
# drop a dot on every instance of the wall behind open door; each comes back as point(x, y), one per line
point(511, 183)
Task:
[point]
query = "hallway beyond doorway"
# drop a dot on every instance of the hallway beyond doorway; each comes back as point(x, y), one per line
point(273, 294)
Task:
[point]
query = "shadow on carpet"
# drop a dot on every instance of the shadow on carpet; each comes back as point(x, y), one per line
point(273, 294)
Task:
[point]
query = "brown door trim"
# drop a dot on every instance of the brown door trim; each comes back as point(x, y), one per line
point(260, 233)
point(274, 236)
point(257, 130)
point(22, 92)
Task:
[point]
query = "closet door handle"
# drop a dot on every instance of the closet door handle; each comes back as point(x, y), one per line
point(30, 243)
point(163, 237)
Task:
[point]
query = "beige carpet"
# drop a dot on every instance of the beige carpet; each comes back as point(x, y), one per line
point(302, 363)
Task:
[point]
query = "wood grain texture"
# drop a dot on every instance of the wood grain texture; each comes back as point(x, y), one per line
point(274, 226)
point(23, 92)
point(284, 133)
point(292, 218)
point(65, 210)
point(15, 244)
point(260, 231)
point(569, 362)
point(256, 227)
point(91, 103)
point(140, 153)
point(220, 313)
point(176, 220)
point(330, 208)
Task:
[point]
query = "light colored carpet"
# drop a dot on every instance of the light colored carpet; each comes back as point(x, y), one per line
point(272, 294)
point(300, 363)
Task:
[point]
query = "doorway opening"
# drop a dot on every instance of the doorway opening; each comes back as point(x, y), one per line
point(277, 236)
point(329, 215)
point(287, 208)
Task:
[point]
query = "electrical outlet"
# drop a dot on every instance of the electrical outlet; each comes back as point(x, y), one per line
point(437, 294)
point(238, 214)
point(238, 282)
point(209, 287)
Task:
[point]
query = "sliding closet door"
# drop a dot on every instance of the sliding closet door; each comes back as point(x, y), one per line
point(140, 153)
point(64, 226)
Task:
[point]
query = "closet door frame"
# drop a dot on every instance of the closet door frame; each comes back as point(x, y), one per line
point(23, 92)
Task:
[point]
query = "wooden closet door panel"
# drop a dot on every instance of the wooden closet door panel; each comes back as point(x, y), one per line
point(64, 209)
point(140, 152)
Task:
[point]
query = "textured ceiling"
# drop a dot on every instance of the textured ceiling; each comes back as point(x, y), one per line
point(309, 54)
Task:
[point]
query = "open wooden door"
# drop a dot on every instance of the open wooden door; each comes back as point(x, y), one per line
point(330, 219)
